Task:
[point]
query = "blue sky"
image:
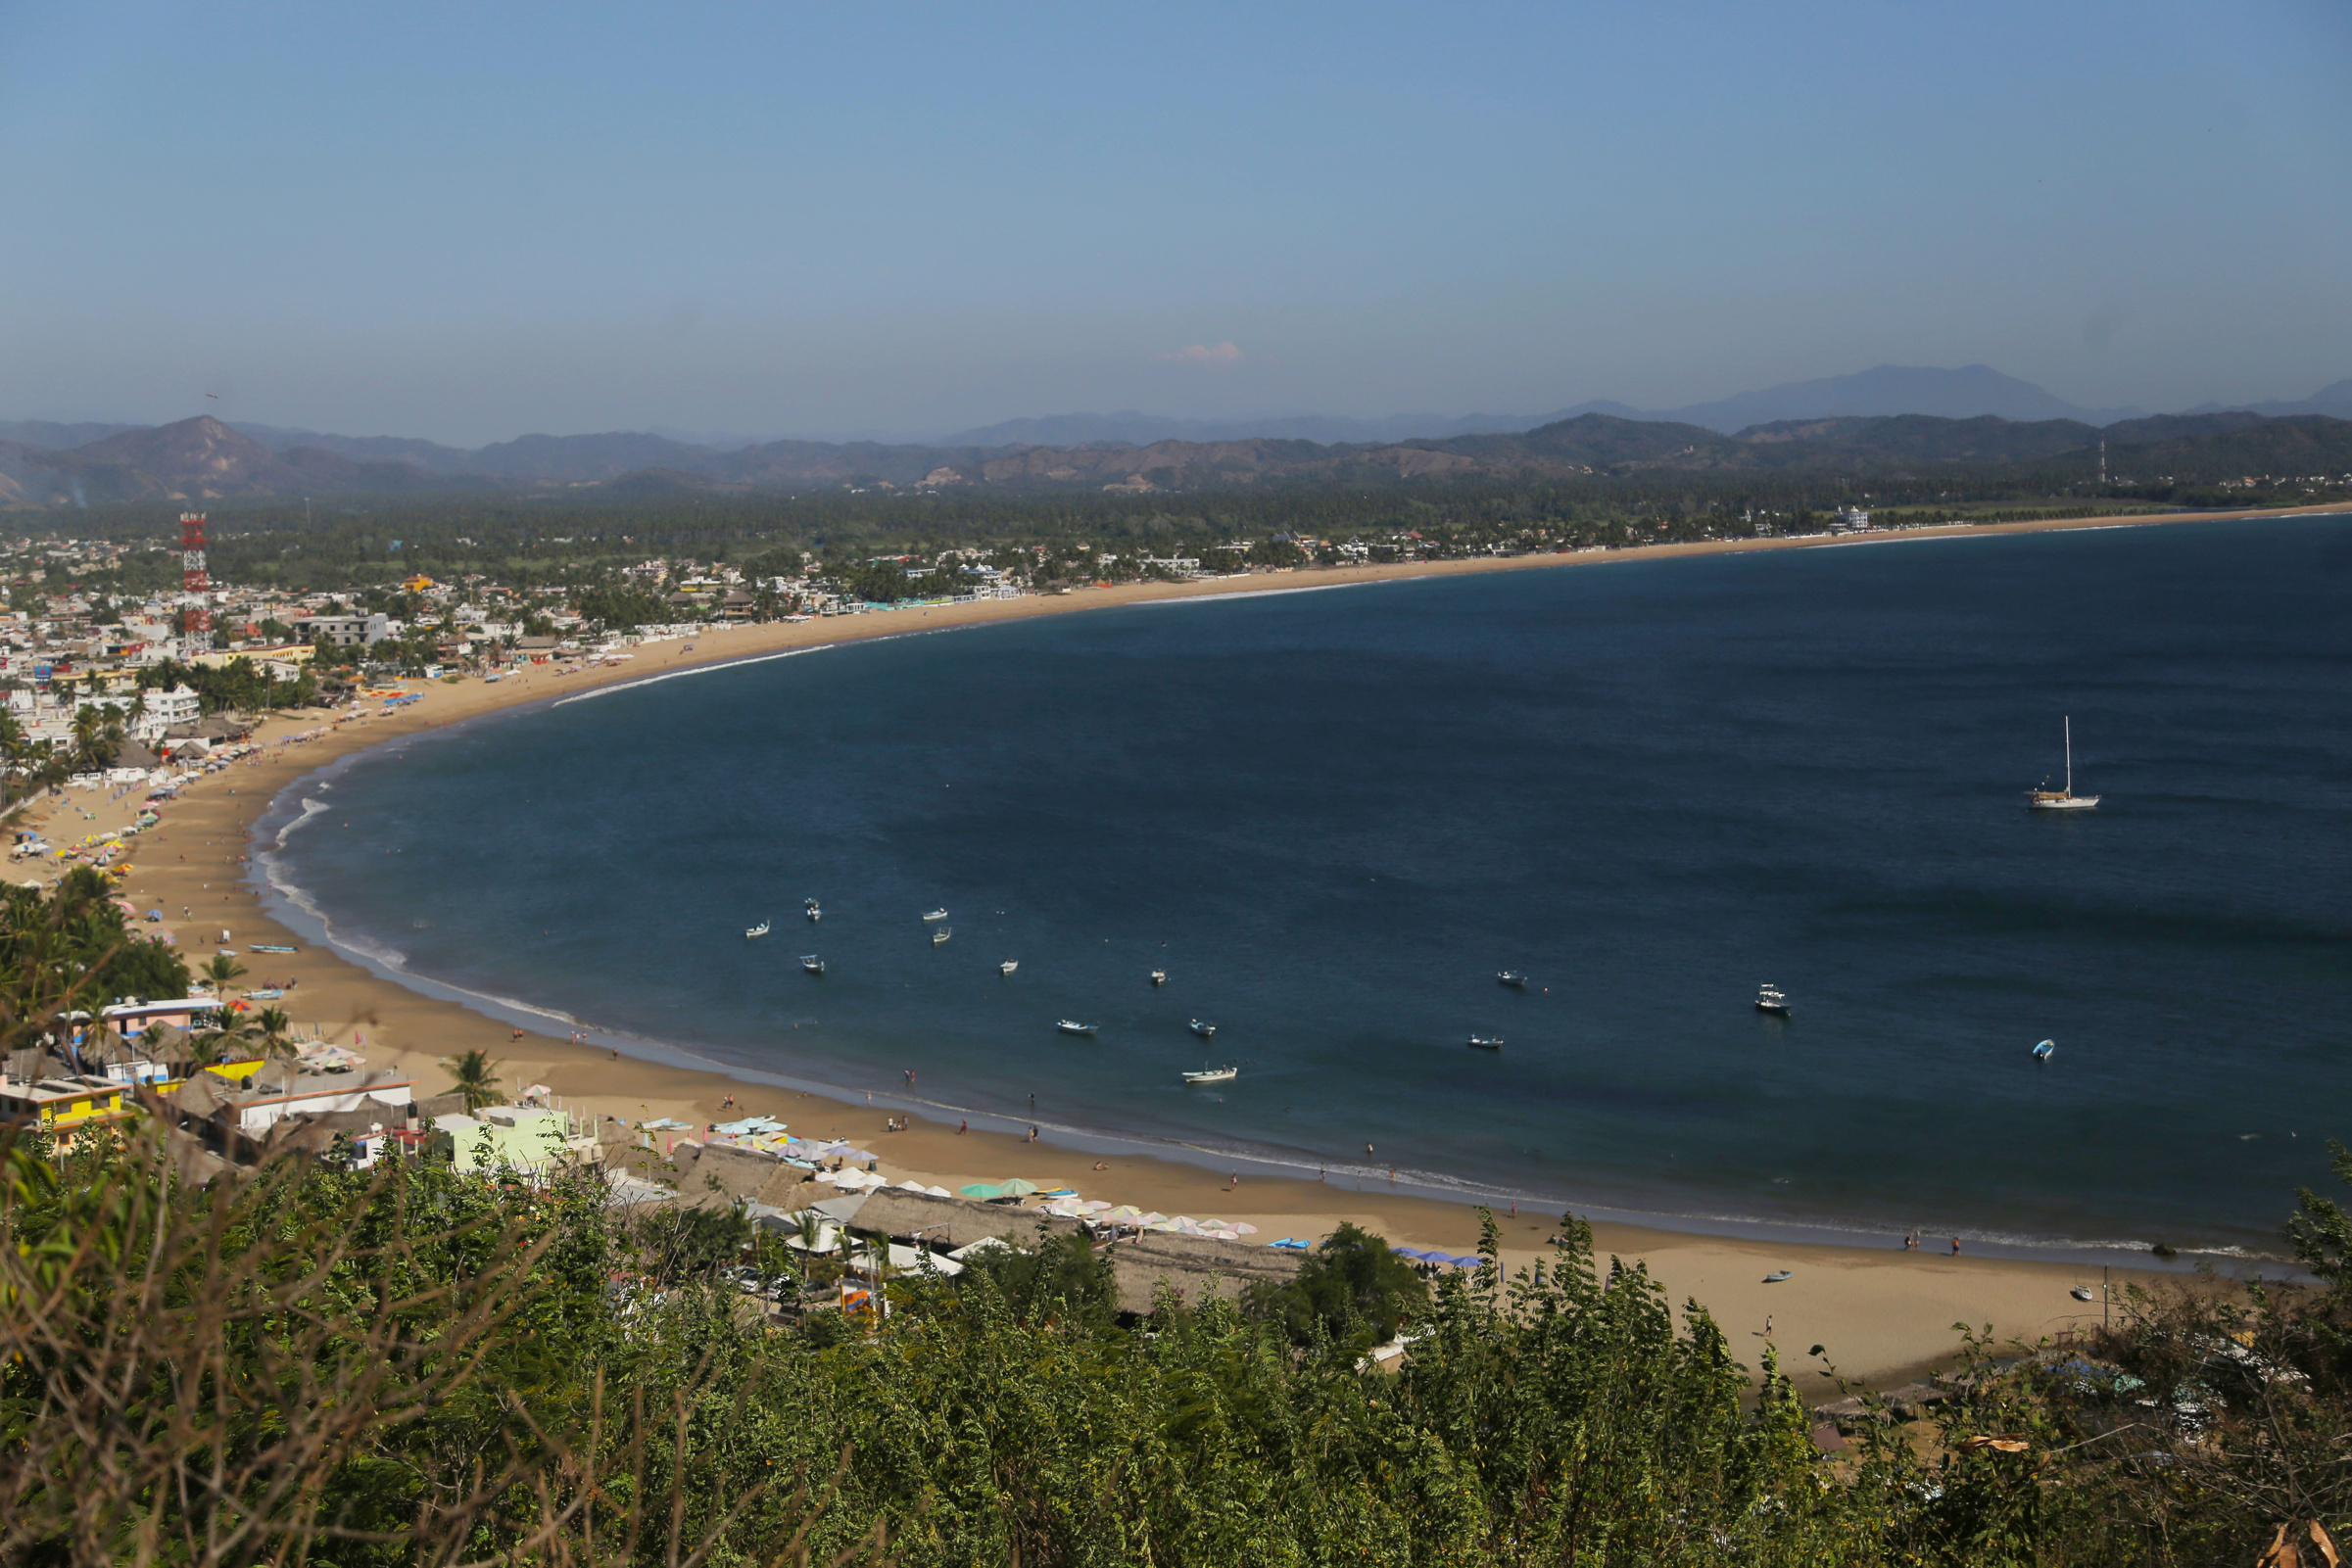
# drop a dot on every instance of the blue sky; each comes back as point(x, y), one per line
point(473, 221)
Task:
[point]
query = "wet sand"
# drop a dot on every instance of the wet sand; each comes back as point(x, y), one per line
point(1882, 1314)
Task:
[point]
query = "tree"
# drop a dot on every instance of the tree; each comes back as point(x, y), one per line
point(474, 1076)
point(224, 971)
point(1350, 1286)
point(276, 1029)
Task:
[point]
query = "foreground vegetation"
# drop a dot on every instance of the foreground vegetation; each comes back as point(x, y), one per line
point(414, 1366)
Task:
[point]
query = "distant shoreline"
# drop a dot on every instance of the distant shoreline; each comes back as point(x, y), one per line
point(1895, 1319)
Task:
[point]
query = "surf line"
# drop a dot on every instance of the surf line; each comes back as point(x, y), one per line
point(699, 669)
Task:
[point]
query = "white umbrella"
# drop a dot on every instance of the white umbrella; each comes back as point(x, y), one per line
point(939, 1191)
point(1241, 1229)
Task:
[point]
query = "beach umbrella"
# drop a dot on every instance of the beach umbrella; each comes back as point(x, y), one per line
point(1226, 1234)
point(1155, 1218)
point(1469, 1262)
point(912, 1186)
point(1241, 1229)
point(939, 1191)
point(981, 1189)
point(1123, 1211)
point(1017, 1188)
point(1097, 1205)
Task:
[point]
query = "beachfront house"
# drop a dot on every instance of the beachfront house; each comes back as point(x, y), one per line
point(530, 1139)
point(67, 1108)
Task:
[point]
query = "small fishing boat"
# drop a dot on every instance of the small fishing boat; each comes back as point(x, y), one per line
point(2048, 799)
point(1776, 1277)
point(1485, 1042)
point(2044, 1051)
point(1008, 965)
point(1769, 1000)
point(808, 903)
point(2084, 1293)
point(941, 935)
point(264, 947)
point(936, 913)
point(811, 963)
point(814, 914)
point(1206, 1031)
point(1159, 976)
point(1512, 978)
point(760, 930)
point(1214, 1076)
point(1069, 1028)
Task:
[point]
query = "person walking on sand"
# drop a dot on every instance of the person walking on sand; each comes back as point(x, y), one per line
point(962, 1127)
point(1955, 1245)
point(1767, 1326)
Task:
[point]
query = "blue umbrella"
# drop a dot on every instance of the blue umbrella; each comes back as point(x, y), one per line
point(1468, 1262)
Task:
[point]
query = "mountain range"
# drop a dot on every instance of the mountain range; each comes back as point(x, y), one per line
point(1871, 423)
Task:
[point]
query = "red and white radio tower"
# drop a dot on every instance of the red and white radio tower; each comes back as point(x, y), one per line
point(197, 621)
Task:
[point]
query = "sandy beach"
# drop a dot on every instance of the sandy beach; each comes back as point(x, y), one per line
point(1882, 1314)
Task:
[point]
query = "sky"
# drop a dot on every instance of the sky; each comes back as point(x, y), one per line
point(470, 221)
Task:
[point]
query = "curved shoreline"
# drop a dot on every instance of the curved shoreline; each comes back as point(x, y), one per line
point(289, 904)
point(1893, 1316)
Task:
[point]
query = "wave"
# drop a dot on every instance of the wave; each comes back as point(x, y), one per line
point(699, 669)
point(310, 809)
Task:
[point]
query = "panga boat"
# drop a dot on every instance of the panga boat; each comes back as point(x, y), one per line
point(2044, 1051)
point(814, 913)
point(811, 963)
point(1159, 976)
point(936, 913)
point(264, 947)
point(1769, 1000)
point(1485, 1042)
point(760, 930)
point(1204, 1031)
point(1776, 1276)
point(941, 935)
point(2084, 1293)
point(1008, 965)
point(1212, 1076)
point(1068, 1027)
point(1513, 977)
point(2063, 799)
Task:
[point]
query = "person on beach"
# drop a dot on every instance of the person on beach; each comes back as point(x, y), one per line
point(962, 1127)
point(1767, 1326)
point(1955, 1245)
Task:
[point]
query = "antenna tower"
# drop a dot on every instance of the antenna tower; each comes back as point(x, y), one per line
point(196, 624)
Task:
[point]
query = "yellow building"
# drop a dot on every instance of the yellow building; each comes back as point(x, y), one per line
point(418, 584)
point(65, 1107)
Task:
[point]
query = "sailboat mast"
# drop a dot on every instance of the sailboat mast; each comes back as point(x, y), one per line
point(2070, 753)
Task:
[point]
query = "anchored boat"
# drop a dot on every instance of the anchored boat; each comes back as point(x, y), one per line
point(1008, 965)
point(1485, 1042)
point(1769, 1000)
point(760, 930)
point(1069, 1028)
point(1206, 1031)
point(811, 963)
point(1512, 978)
point(2063, 799)
point(940, 935)
point(1212, 1076)
point(1159, 976)
point(936, 913)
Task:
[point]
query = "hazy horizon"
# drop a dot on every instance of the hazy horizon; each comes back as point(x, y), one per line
point(469, 225)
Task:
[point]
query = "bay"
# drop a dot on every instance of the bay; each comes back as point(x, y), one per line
point(1334, 817)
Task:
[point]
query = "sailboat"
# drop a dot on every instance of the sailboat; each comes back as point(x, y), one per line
point(2063, 799)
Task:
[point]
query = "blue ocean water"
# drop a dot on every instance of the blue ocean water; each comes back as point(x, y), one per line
point(1332, 817)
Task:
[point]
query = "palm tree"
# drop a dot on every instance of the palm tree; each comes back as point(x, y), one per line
point(276, 1029)
point(474, 1078)
point(224, 971)
point(229, 1040)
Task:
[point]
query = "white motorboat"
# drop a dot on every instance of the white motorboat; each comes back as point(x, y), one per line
point(1486, 1042)
point(2044, 1051)
point(760, 930)
point(814, 914)
point(936, 913)
point(1069, 1028)
point(941, 935)
point(1008, 965)
point(1769, 1000)
point(1206, 1031)
point(2065, 799)
point(1212, 1076)
point(1512, 978)
point(1159, 976)
point(811, 963)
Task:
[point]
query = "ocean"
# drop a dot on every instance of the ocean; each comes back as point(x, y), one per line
point(1334, 817)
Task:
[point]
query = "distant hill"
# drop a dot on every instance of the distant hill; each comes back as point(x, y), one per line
point(51, 433)
point(202, 458)
point(2334, 400)
point(1136, 429)
point(1891, 388)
